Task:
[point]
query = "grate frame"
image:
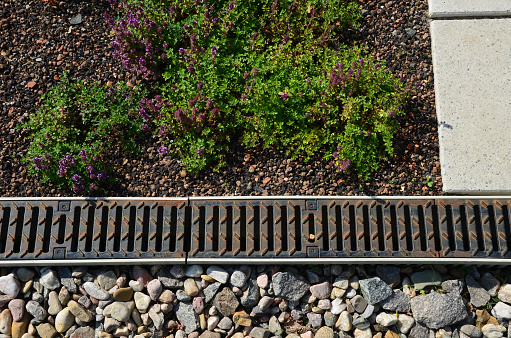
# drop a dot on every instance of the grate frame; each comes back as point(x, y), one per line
point(229, 229)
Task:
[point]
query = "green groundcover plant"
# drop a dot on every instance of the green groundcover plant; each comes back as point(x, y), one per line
point(264, 72)
point(78, 128)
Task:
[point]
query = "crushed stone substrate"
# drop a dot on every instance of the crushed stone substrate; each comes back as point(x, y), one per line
point(322, 301)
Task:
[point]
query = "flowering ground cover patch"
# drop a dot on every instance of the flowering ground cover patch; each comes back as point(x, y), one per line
point(270, 73)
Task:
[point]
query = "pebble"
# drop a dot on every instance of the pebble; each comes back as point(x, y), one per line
point(120, 311)
point(375, 290)
point(345, 322)
point(493, 331)
point(64, 320)
point(79, 311)
point(437, 310)
point(24, 274)
point(505, 293)
point(49, 279)
point(54, 305)
point(289, 287)
point(218, 274)
point(141, 275)
point(471, 331)
point(36, 310)
point(478, 295)
point(194, 271)
point(123, 294)
point(404, 323)
point(322, 290)
point(386, 319)
point(490, 284)
point(6, 322)
point(95, 291)
point(17, 308)
point(142, 301)
point(107, 279)
point(190, 287)
point(425, 278)
point(10, 285)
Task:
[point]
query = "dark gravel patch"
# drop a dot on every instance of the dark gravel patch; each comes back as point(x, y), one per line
point(37, 44)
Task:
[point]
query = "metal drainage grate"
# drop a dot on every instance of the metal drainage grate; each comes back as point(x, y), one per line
point(205, 228)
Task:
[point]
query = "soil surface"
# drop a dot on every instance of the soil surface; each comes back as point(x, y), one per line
point(38, 43)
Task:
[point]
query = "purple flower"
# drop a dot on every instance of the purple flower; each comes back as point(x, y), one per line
point(285, 96)
point(200, 151)
point(93, 187)
point(181, 51)
point(255, 71)
point(199, 85)
point(163, 150)
point(214, 50)
point(145, 127)
point(47, 134)
point(285, 38)
point(324, 72)
point(308, 80)
point(391, 113)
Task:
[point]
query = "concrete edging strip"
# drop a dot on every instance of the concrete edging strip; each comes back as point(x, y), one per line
point(471, 8)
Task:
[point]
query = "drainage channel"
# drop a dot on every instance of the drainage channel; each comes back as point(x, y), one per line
point(228, 230)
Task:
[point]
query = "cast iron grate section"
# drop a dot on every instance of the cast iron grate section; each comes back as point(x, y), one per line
point(53, 229)
point(414, 228)
point(295, 227)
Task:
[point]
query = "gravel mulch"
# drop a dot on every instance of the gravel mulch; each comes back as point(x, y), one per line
point(37, 43)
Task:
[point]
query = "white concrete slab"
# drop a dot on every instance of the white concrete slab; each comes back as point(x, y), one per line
point(472, 66)
point(460, 8)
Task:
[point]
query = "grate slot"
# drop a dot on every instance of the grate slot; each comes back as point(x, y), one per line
point(187, 231)
point(104, 229)
point(380, 228)
point(311, 233)
point(406, 240)
point(338, 228)
point(216, 228)
point(367, 230)
point(324, 226)
point(90, 228)
point(478, 224)
point(20, 219)
point(257, 228)
point(118, 230)
point(145, 229)
point(47, 230)
point(298, 232)
point(353, 228)
point(493, 229)
point(222, 230)
point(33, 230)
point(271, 228)
point(394, 228)
point(283, 229)
point(242, 224)
point(6, 214)
point(507, 229)
point(422, 228)
point(464, 228)
point(172, 222)
point(201, 222)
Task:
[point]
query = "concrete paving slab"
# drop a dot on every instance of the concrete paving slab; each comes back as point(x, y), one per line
point(461, 8)
point(472, 66)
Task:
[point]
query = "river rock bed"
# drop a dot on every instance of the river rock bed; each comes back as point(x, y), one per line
point(331, 301)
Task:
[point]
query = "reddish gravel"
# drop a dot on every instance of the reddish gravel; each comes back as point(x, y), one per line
point(37, 44)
